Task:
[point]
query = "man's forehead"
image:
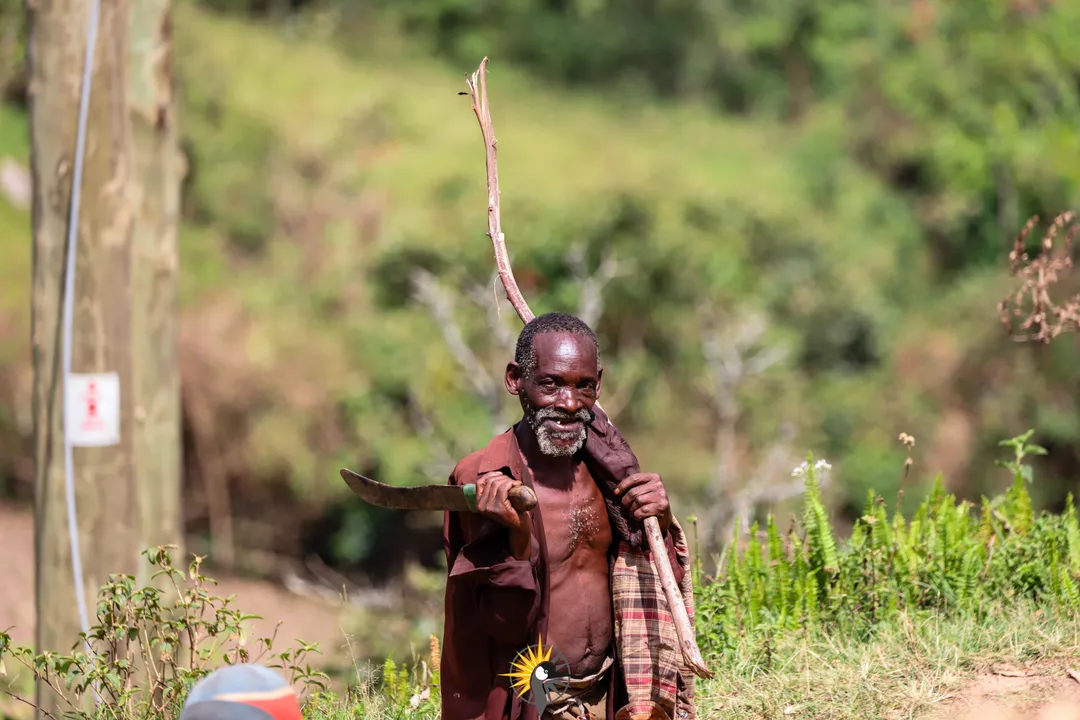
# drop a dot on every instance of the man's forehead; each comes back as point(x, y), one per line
point(559, 348)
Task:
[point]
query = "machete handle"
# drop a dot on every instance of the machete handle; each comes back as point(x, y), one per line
point(521, 497)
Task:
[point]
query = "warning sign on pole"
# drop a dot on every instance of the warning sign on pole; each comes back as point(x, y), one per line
point(92, 408)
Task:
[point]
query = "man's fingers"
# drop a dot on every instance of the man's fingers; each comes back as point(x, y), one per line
point(484, 481)
point(633, 493)
point(643, 512)
point(637, 480)
point(647, 503)
point(643, 502)
point(500, 497)
point(495, 489)
point(481, 486)
point(487, 487)
point(643, 494)
point(493, 495)
point(650, 510)
point(629, 482)
point(638, 495)
point(486, 478)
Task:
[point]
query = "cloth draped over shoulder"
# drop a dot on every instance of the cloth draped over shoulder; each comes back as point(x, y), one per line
point(496, 605)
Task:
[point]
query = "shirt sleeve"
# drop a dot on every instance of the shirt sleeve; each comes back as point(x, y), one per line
point(504, 591)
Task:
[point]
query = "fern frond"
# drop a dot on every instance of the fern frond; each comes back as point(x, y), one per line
point(1072, 535)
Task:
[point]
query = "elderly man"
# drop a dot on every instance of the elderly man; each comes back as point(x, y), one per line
point(548, 574)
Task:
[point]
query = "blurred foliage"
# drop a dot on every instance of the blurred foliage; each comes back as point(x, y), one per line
point(854, 172)
point(12, 50)
point(968, 109)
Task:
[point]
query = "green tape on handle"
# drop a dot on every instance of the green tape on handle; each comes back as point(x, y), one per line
point(470, 495)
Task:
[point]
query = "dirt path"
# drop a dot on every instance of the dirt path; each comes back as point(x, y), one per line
point(313, 619)
point(1044, 691)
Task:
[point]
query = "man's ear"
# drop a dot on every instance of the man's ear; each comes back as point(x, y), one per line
point(514, 378)
point(599, 380)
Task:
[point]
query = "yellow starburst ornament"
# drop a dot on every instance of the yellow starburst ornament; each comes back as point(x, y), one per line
point(526, 663)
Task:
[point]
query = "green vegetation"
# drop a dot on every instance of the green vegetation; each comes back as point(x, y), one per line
point(850, 174)
point(913, 606)
point(872, 251)
point(944, 559)
point(175, 621)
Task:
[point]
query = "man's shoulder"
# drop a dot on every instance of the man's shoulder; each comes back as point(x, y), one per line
point(467, 466)
point(499, 452)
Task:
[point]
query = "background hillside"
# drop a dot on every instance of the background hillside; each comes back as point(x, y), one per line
point(789, 223)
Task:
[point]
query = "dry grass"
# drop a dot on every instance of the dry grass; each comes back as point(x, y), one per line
point(1015, 666)
point(916, 668)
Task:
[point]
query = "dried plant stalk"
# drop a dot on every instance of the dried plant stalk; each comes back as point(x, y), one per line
point(1044, 319)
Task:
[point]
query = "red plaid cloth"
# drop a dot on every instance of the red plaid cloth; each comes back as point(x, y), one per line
point(648, 645)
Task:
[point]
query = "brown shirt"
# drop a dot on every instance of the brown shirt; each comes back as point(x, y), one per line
point(495, 605)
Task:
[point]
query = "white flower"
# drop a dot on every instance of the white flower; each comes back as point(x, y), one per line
point(804, 467)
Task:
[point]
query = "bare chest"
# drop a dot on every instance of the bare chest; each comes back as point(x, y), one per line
point(576, 524)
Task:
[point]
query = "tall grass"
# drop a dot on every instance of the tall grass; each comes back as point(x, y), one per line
point(949, 558)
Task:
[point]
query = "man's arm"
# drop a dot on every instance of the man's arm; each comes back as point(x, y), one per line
point(497, 575)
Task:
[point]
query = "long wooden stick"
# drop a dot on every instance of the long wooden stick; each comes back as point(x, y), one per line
point(498, 240)
point(478, 91)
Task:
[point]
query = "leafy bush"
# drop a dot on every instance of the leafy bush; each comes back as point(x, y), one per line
point(147, 652)
point(946, 559)
point(186, 640)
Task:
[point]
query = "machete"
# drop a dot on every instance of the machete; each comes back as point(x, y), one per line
point(452, 498)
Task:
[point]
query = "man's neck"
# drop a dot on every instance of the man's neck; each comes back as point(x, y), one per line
point(550, 471)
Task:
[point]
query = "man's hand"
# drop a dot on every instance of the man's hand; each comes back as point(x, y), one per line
point(643, 494)
point(492, 502)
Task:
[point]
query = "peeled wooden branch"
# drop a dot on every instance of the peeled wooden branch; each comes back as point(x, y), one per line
point(478, 91)
point(498, 240)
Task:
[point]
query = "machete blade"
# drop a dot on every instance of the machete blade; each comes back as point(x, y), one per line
point(422, 497)
point(452, 498)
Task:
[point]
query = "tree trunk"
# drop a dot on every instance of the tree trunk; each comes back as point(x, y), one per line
point(127, 494)
point(158, 170)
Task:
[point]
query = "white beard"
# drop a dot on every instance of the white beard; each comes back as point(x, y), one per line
point(546, 437)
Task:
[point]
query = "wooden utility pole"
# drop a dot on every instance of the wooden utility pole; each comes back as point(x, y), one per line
point(124, 321)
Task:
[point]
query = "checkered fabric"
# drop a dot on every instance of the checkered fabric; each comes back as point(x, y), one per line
point(647, 642)
point(645, 633)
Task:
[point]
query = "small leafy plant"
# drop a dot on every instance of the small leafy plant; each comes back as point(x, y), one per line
point(149, 645)
point(396, 692)
point(416, 690)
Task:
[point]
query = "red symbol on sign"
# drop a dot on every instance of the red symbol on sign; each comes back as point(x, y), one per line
point(92, 421)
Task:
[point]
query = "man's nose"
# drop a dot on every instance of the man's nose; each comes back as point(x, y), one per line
point(567, 400)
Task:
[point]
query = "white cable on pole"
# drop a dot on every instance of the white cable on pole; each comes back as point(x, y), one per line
point(69, 301)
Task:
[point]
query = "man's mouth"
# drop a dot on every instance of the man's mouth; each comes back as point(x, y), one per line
point(560, 434)
point(563, 424)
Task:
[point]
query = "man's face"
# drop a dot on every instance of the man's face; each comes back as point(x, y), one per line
point(557, 397)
